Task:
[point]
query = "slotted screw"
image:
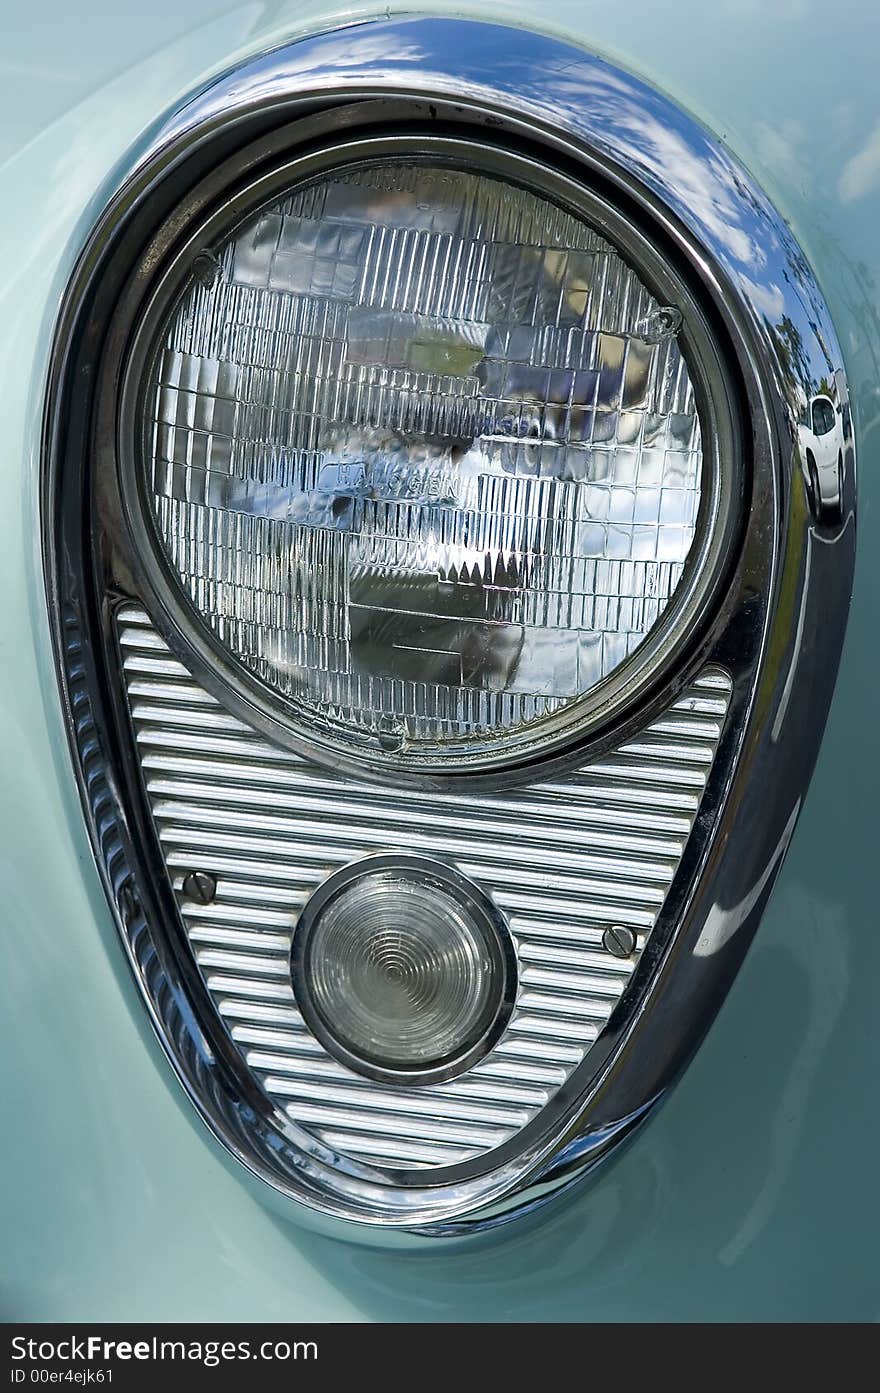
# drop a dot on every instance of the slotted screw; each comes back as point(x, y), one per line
point(619, 941)
point(200, 886)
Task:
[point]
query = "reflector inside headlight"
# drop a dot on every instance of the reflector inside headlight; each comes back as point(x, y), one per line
point(424, 453)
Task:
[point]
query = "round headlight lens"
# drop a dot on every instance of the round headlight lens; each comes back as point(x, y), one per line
point(402, 967)
point(424, 453)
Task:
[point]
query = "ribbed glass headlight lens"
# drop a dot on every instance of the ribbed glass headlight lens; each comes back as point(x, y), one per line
point(425, 455)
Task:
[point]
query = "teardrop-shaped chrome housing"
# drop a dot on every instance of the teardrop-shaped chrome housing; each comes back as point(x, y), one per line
point(627, 861)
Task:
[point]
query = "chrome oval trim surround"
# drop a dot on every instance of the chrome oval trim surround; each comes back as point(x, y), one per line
point(777, 631)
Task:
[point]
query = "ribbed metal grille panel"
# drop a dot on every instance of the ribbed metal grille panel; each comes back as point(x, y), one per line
point(564, 860)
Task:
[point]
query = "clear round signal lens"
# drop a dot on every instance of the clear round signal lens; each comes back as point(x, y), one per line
point(401, 967)
point(424, 452)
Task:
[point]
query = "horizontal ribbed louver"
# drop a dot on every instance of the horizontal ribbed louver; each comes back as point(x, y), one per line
point(564, 860)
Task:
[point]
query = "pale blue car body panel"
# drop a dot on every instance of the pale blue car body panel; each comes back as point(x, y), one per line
point(752, 1193)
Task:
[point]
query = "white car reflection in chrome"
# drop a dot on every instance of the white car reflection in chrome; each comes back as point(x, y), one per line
point(821, 434)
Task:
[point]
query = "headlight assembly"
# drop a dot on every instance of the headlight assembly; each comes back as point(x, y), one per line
point(425, 454)
point(444, 616)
